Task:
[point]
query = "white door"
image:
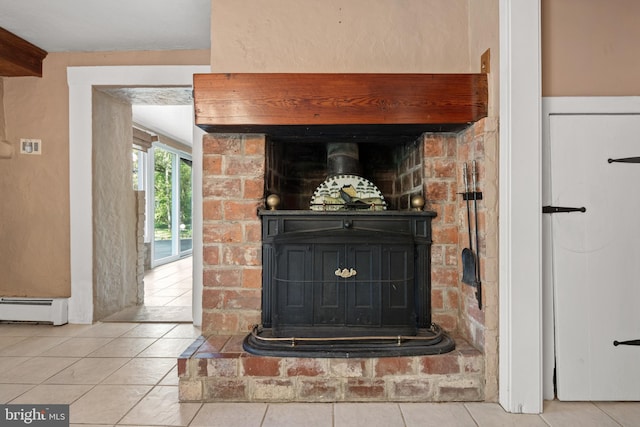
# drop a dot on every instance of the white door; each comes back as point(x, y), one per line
point(595, 255)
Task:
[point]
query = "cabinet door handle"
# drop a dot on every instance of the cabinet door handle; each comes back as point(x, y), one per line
point(345, 273)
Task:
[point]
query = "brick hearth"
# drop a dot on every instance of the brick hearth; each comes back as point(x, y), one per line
point(217, 369)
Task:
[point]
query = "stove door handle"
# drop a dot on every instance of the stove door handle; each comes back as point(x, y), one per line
point(345, 273)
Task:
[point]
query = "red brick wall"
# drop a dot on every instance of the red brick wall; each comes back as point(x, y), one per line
point(471, 147)
point(454, 305)
point(233, 189)
point(440, 195)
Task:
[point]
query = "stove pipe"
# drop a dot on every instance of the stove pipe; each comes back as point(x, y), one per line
point(343, 158)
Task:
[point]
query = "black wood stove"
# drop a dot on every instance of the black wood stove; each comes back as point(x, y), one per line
point(346, 284)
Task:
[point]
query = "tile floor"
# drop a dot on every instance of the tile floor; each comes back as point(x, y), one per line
point(125, 374)
point(167, 296)
point(169, 284)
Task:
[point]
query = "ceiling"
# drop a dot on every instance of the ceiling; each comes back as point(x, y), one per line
point(99, 25)
point(119, 25)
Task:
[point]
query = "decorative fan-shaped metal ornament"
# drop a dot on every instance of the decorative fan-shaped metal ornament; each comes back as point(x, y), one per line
point(347, 192)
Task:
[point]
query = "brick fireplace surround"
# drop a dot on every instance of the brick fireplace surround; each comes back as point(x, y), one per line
point(215, 368)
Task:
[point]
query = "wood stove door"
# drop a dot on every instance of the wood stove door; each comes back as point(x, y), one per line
point(375, 298)
point(329, 290)
point(293, 286)
point(398, 287)
point(347, 301)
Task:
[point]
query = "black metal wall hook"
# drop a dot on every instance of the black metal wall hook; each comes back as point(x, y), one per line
point(472, 195)
point(630, 342)
point(625, 160)
point(561, 209)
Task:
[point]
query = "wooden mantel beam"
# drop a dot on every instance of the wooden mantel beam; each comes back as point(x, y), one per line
point(352, 107)
point(18, 57)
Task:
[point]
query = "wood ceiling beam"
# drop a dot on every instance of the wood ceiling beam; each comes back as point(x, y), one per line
point(18, 57)
point(353, 107)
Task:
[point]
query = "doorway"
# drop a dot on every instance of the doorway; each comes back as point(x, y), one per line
point(159, 135)
point(81, 81)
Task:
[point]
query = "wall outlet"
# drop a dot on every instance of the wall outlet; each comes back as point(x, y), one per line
point(30, 146)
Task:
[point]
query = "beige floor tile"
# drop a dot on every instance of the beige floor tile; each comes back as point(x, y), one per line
point(492, 415)
point(47, 394)
point(169, 291)
point(32, 346)
point(150, 330)
point(106, 404)
point(186, 283)
point(436, 414)
point(165, 282)
point(36, 370)
point(625, 413)
point(9, 341)
point(184, 330)
point(147, 371)
point(181, 301)
point(148, 314)
point(167, 347)
point(112, 330)
point(123, 347)
point(579, 414)
point(157, 301)
point(150, 288)
point(230, 414)
point(367, 415)
point(8, 392)
point(88, 371)
point(299, 414)
point(19, 329)
point(68, 330)
point(171, 378)
point(8, 363)
point(76, 347)
point(161, 407)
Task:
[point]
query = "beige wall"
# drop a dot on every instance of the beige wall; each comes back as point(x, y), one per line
point(484, 33)
point(34, 226)
point(590, 48)
point(419, 36)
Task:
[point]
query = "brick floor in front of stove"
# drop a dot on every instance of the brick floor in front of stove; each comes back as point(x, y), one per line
point(218, 369)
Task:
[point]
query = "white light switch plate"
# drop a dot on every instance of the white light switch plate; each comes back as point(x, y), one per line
point(30, 146)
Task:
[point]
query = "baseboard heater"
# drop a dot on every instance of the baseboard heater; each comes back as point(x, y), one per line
point(50, 310)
